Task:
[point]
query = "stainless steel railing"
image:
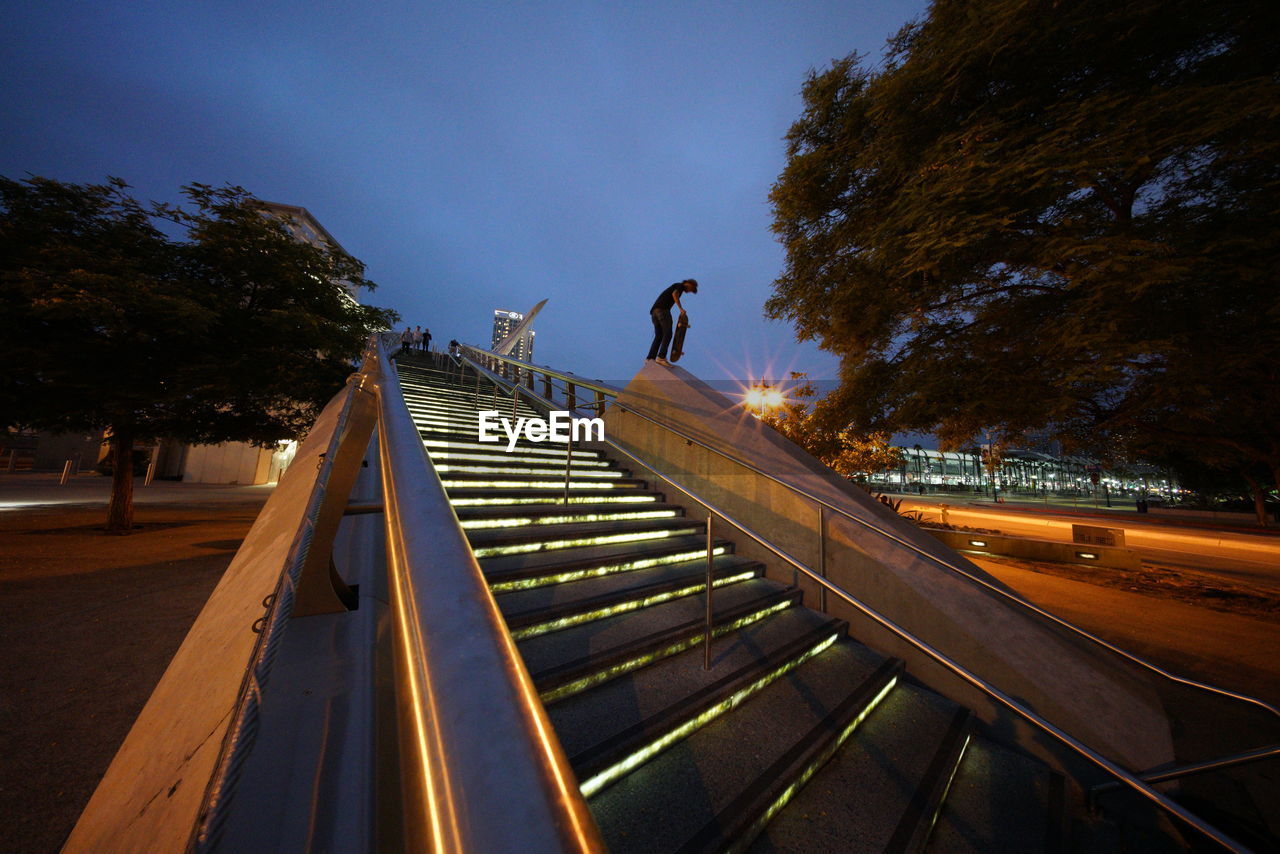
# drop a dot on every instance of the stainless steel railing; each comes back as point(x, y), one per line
point(1123, 775)
point(480, 767)
point(483, 770)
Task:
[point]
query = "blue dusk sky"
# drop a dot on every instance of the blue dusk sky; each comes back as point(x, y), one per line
point(475, 156)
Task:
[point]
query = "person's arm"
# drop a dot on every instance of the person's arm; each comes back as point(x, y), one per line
point(676, 291)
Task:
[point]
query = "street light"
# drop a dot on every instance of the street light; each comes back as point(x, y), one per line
point(762, 397)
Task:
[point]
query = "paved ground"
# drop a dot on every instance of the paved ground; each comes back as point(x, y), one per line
point(90, 622)
point(1236, 649)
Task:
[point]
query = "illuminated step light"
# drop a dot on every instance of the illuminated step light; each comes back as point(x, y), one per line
point(623, 607)
point(638, 498)
point(1087, 555)
point(467, 411)
point(597, 571)
point(503, 457)
point(950, 779)
point(639, 757)
point(468, 401)
point(979, 543)
point(623, 667)
point(461, 424)
point(553, 451)
point(482, 469)
point(521, 521)
point(466, 408)
point(789, 792)
point(552, 545)
point(535, 484)
point(455, 402)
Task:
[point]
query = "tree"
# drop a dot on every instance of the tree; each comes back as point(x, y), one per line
point(230, 331)
point(1055, 215)
point(848, 453)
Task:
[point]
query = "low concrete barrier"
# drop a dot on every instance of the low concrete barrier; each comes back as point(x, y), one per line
point(1022, 547)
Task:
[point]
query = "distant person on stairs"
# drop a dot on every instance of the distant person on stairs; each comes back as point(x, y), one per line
point(660, 314)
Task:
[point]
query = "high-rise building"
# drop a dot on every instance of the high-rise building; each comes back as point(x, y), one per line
point(504, 323)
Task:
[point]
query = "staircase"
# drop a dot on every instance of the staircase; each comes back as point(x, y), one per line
point(798, 738)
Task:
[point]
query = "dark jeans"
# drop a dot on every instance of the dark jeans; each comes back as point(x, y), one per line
point(661, 333)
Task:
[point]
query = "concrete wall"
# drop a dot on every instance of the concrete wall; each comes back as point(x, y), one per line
point(54, 449)
point(1082, 689)
point(150, 797)
point(999, 544)
point(230, 462)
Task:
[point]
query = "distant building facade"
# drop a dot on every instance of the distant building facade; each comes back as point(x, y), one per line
point(504, 323)
point(302, 225)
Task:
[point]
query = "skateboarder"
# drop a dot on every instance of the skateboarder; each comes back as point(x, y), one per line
point(660, 314)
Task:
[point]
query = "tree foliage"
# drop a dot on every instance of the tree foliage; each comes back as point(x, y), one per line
point(1043, 214)
point(847, 452)
point(204, 323)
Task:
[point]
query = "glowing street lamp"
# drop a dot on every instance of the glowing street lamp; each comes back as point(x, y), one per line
point(761, 398)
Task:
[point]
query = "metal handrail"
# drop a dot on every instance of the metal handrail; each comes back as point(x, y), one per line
point(481, 766)
point(913, 547)
point(594, 385)
point(1117, 771)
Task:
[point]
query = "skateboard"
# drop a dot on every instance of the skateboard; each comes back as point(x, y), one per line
point(677, 342)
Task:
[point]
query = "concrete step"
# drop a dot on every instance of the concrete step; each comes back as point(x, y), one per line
point(554, 608)
point(1001, 801)
point(441, 408)
point(858, 801)
point(551, 483)
point(506, 516)
point(500, 455)
point(564, 663)
point(549, 469)
point(460, 444)
point(435, 395)
point(654, 708)
point(713, 787)
point(493, 541)
point(471, 497)
point(512, 572)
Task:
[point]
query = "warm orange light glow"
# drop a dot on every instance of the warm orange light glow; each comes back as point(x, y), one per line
point(762, 397)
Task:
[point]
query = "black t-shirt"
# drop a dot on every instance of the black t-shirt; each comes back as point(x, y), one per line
point(667, 298)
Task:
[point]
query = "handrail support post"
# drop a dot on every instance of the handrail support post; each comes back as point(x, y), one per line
point(706, 640)
point(568, 465)
point(822, 557)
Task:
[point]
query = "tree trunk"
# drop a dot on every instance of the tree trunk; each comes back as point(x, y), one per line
point(120, 511)
point(1259, 500)
point(1275, 482)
